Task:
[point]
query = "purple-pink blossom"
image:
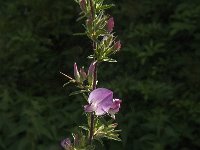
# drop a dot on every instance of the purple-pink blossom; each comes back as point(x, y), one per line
point(101, 102)
point(110, 24)
point(66, 143)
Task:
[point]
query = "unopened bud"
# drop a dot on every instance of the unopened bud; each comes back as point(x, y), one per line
point(110, 24)
point(91, 72)
point(117, 46)
point(83, 75)
point(83, 5)
point(66, 144)
point(89, 24)
point(76, 73)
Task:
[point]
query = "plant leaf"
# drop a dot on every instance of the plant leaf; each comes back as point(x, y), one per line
point(78, 92)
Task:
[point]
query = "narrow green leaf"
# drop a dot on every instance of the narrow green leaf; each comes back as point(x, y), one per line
point(114, 138)
point(109, 60)
point(71, 81)
point(80, 18)
point(103, 7)
point(84, 128)
point(79, 34)
point(78, 92)
point(91, 57)
point(100, 141)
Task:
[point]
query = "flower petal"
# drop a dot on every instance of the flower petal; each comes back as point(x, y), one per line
point(100, 94)
point(106, 104)
point(115, 107)
point(99, 111)
point(89, 108)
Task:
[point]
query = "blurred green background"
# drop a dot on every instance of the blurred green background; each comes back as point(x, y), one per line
point(157, 75)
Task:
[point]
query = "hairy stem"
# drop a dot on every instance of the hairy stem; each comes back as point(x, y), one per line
point(94, 79)
point(91, 128)
point(92, 9)
point(92, 114)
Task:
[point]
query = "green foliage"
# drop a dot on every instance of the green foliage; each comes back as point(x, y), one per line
point(105, 129)
point(157, 73)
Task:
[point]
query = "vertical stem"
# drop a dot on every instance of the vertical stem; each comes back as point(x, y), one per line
point(92, 114)
point(91, 128)
point(94, 79)
point(92, 9)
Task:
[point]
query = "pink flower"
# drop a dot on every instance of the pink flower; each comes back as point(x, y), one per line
point(101, 102)
point(110, 24)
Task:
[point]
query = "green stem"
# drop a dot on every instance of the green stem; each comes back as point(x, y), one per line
point(94, 79)
point(91, 128)
point(92, 114)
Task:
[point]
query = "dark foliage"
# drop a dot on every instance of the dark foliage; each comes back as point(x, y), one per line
point(157, 74)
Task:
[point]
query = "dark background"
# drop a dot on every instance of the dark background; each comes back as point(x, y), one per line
point(157, 75)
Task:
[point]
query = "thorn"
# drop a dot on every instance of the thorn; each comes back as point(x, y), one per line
point(67, 76)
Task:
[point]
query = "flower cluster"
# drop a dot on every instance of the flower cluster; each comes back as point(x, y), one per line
point(102, 33)
point(100, 102)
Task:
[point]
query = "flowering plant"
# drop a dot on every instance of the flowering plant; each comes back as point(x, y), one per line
point(100, 102)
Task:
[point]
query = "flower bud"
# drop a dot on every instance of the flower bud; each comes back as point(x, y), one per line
point(76, 73)
point(89, 22)
point(83, 5)
point(110, 24)
point(66, 144)
point(89, 25)
point(91, 72)
point(117, 46)
point(83, 75)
